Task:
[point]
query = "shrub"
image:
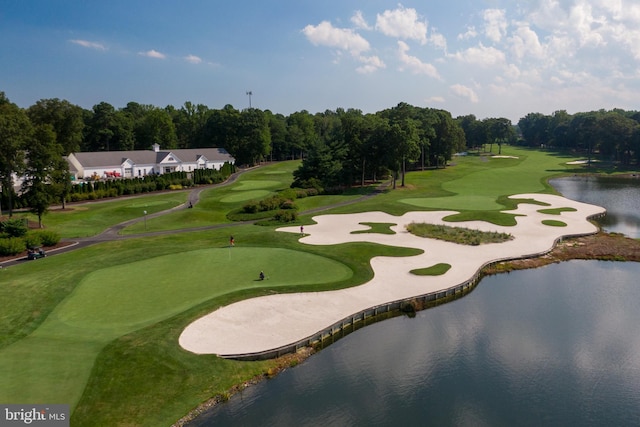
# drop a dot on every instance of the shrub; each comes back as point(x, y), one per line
point(48, 237)
point(251, 207)
point(286, 216)
point(270, 203)
point(287, 204)
point(12, 246)
point(31, 240)
point(289, 193)
point(15, 227)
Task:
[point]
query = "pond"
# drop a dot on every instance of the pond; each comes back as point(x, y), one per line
point(557, 345)
point(621, 197)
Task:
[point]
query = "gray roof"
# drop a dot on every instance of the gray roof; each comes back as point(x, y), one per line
point(116, 158)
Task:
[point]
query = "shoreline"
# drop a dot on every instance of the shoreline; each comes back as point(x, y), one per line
point(601, 246)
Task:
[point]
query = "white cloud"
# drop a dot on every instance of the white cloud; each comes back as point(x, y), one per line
point(586, 25)
point(434, 99)
point(402, 23)
point(88, 44)
point(193, 59)
point(153, 54)
point(469, 34)
point(481, 55)
point(358, 20)
point(495, 24)
point(438, 40)
point(372, 63)
point(525, 41)
point(325, 34)
point(464, 92)
point(413, 64)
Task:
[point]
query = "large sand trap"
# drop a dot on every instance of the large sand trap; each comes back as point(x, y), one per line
point(269, 322)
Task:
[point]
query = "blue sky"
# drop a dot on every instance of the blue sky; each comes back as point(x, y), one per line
point(491, 58)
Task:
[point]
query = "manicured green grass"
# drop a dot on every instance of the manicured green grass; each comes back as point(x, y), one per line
point(376, 227)
point(476, 186)
point(89, 219)
point(434, 270)
point(556, 211)
point(98, 328)
point(216, 202)
point(114, 301)
point(463, 236)
point(554, 223)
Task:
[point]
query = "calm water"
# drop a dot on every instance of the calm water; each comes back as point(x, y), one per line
point(558, 345)
point(524, 348)
point(620, 196)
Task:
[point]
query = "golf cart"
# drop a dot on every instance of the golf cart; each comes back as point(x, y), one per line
point(35, 253)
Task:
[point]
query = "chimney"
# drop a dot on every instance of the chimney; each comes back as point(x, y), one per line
point(156, 147)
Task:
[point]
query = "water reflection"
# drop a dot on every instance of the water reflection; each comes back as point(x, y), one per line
point(557, 345)
point(620, 196)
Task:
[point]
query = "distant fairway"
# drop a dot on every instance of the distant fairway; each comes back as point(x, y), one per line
point(245, 195)
point(147, 204)
point(55, 361)
point(248, 184)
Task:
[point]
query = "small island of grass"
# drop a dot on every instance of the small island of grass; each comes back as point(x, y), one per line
point(434, 270)
point(554, 223)
point(461, 235)
point(376, 227)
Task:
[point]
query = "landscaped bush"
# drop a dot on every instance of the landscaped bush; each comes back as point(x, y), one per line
point(251, 207)
point(289, 193)
point(14, 227)
point(48, 237)
point(12, 246)
point(286, 216)
point(32, 240)
point(270, 203)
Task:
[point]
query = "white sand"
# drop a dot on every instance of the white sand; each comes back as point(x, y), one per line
point(269, 322)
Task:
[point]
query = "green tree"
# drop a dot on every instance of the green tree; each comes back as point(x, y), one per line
point(500, 131)
point(535, 129)
point(65, 118)
point(222, 127)
point(43, 160)
point(15, 131)
point(254, 138)
point(155, 127)
point(278, 131)
point(449, 138)
point(301, 132)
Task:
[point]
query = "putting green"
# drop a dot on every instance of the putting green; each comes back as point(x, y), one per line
point(117, 300)
point(147, 291)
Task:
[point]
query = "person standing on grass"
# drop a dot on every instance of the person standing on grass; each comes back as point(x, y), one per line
point(232, 242)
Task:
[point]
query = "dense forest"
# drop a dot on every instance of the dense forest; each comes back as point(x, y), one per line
point(339, 148)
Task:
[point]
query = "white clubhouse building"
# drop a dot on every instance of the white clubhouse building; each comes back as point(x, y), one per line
point(139, 163)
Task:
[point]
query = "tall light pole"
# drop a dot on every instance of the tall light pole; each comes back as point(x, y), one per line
point(249, 93)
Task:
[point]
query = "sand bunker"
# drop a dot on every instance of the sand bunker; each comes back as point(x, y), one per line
point(270, 322)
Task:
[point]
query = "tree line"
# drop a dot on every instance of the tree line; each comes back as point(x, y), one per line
point(339, 148)
point(610, 135)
